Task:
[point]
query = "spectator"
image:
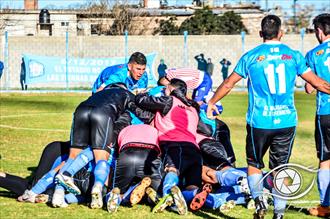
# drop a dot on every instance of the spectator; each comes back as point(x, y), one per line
point(210, 66)
point(201, 62)
point(23, 76)
point(161, 69)
point(1, 68)
point(225, 66)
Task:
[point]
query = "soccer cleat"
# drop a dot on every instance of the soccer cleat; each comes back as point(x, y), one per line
point(113, 200)
point(28, 196)
point(139, 191)
point(243, 183)
point(200, 198)
point(152, 195)
point(42, 198)
point(320, 211)
point(227, 206)
point(179, 200)
point(58, 199)
point(163, 203)
point(97, 201)
point(68, 183)
point(278, 216)
point(261, 208)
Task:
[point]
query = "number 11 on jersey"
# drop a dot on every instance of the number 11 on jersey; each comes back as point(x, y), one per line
point(270, 71)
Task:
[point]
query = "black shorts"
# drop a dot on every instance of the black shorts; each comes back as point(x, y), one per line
point(214, 154)
point(223, 135)
point(186, 158)
point(92, 126)
point(322, 137)
point(279, 142)
point(135, 163)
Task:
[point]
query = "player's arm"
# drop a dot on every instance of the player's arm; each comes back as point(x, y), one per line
point(222, 91)
point(113, 78)
point(316, 82)
point(162, 104)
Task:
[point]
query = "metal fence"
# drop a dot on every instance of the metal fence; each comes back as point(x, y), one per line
point(177, 51)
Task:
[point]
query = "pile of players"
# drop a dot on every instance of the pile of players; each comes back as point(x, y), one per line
point(173, 150)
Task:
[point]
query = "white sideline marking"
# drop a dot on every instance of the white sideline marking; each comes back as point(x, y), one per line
point(33, 129)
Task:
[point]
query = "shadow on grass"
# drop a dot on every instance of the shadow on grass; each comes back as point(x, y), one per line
point(205, 213)
point(298, 209)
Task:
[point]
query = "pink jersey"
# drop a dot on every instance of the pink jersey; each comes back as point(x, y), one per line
point(192, 77)
point(141, 135)
point(179, 124)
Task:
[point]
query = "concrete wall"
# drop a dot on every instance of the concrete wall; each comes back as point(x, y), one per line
point(170, 48)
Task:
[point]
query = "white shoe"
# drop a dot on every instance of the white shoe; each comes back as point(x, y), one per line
point(28, 196)
point(68, 183)
point(113, 200)
point(243, 183)
point(97, 199)
point(58, 199)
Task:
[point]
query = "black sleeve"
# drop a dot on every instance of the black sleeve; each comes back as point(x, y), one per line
point(204, 129)
point(161, 104)
point(145, 115)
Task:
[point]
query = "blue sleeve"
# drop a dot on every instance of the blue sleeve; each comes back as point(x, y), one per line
point(114, 78)
point(143, 82)
point(241, 68)
point(301, 66)
point(309, 61)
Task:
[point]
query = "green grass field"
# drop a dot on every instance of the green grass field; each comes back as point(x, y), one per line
point(29, 121)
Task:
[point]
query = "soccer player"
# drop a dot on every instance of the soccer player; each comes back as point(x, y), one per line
point(319, 61)
point(176, 120)
point(93, 125)
point(199, 81)
point(138, 160)
point(132, 74)
point(271, 118)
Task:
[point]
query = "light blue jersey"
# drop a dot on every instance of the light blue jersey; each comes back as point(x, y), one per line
point(318, 60)
point(119, 73)
point(271, 69)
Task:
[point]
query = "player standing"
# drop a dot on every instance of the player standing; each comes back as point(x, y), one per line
point(272, 68)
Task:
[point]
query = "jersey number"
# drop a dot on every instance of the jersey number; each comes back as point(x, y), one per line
point(270, 73)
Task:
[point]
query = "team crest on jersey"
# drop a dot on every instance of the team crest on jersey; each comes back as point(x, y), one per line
point(261, 58)
point(320, 52)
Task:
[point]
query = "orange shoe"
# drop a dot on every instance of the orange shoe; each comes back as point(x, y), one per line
point(200, 198)
point(140, 190)
point(320, 211)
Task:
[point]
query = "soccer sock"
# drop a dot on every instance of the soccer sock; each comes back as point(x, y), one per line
point(44, 183)
point(255, 187)
point(279, 204)
point(189, 195)
point(101, 172)
point(214, 201)
point(59, 160)
point(128, 193)
point(71, 198)
point(171, 179)
point(229, 177)
point(83, 158)
point(268, 182)
point(66, 165)
point(323, 184)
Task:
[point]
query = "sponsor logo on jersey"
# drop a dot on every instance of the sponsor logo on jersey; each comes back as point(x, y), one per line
point(261, 58)
point(320, 52)
point(286, 57)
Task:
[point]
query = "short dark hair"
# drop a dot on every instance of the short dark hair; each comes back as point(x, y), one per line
point(270, 27)
point(322, 21)
point(180, 85)
point(138, 58)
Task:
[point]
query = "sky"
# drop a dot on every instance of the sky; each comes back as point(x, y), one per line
point(285, 4)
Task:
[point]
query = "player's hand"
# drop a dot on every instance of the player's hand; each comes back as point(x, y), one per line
point(210, 109)
point(208, 175)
